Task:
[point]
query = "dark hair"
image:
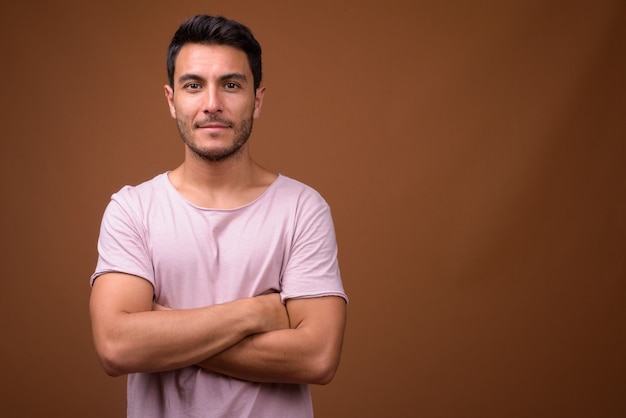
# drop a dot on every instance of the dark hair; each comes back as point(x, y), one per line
point(215, 30)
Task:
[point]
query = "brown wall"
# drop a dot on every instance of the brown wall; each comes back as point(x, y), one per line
point(473, 154)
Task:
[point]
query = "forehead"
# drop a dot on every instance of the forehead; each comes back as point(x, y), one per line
point(211, 60)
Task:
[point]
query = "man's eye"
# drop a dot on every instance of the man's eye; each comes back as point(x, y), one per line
point(192, 86)
point(231, 86)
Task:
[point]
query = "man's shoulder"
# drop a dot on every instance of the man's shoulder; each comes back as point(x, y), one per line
point(291, 184)
point(142, 193)
point(150, 186)
point(292, 189)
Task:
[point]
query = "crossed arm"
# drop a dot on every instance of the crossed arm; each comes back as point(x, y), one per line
point(257, 339)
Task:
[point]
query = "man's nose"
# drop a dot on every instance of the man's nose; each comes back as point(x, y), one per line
point(212, 101)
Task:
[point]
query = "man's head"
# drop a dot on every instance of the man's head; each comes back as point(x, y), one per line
point(214, 92)
point(212, 30)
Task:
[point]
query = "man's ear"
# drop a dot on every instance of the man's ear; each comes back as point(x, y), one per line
point(258, 101)
point(169, 95)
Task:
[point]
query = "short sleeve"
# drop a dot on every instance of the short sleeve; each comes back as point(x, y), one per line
point(122, 244)
point(312, 269)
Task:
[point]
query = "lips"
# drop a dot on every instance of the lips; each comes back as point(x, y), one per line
point(213, 126)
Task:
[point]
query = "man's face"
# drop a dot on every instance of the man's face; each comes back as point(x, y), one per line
point(213, 100)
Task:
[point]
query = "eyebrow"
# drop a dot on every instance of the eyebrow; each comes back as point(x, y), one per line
point(229, 76)
point(234, 76)
point(189, 76)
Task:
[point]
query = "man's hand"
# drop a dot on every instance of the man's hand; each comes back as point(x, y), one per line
point(307, 352)
point(269, 309)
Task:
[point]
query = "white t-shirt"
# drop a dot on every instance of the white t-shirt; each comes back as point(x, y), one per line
point(283, 241)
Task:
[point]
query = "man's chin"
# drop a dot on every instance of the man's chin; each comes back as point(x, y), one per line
point(217, 155)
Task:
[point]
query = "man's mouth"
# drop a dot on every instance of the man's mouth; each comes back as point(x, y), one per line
point(213, 126)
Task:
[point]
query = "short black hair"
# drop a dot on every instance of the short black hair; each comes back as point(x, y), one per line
point(215, 30)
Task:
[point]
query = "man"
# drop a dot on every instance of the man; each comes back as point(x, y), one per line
point(217, 287)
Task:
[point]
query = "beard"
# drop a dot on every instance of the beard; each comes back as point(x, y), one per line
point(242, 132)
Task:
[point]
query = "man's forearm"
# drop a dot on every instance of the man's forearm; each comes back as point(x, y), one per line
point(307, 353)
point(166, 340)
point(131, 336)
point(269, 357)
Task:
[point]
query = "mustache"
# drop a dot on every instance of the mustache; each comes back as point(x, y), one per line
point(213, 119)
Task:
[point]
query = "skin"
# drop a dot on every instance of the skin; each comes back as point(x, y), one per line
point(214, 103)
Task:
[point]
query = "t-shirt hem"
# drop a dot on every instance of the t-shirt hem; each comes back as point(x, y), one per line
point(103, 272)
point(285, 297)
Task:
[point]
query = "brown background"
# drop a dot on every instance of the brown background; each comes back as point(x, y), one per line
point(473, 154)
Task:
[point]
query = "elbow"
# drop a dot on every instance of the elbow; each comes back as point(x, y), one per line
point(323, 371)
point(112, 359)
point(111, 368)
point(323, 379)
point(324, 362)
point(113, 372)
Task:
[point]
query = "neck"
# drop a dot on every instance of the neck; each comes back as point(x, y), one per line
point(220, 184)
point(233, 172)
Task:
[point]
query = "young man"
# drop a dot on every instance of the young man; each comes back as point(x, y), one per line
point(217, 287)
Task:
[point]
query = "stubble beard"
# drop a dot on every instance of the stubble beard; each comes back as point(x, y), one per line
point(242, 133)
